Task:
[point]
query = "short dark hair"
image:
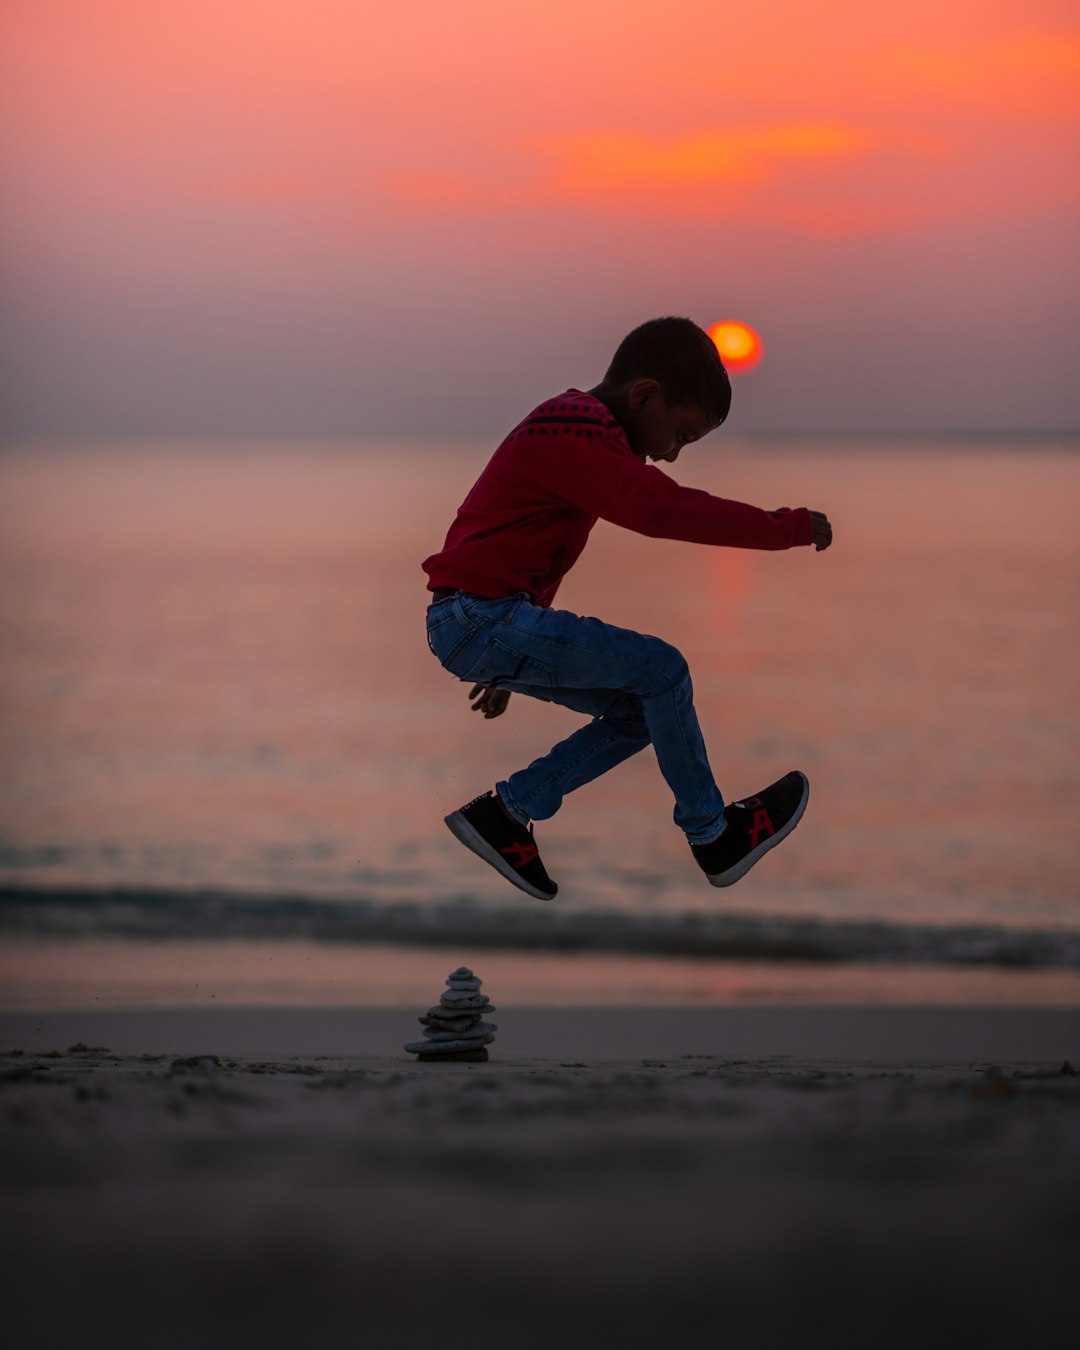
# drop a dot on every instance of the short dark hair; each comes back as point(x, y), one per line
point(683, 360)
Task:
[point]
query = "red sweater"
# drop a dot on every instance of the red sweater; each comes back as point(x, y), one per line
point(528, 516)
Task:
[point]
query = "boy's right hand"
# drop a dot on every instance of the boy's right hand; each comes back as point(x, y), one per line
point(491, 702)
point(822, 535)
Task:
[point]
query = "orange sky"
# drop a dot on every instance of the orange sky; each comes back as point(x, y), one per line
point(268, 215)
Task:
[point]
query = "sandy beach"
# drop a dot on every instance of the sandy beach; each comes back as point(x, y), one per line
point(786, 1176)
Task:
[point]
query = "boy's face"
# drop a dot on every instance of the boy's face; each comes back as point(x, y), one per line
point(657, 429)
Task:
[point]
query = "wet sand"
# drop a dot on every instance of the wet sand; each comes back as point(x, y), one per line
point(784, 1176)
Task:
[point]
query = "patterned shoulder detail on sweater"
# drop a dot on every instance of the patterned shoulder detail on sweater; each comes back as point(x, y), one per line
point(560, 416)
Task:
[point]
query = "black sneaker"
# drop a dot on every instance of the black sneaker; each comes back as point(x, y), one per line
point(484, 827)
point(754, 825)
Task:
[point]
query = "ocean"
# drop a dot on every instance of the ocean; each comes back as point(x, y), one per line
point(223, 732)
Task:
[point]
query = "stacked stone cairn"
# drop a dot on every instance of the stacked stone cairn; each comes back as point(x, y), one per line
point(455, 1028)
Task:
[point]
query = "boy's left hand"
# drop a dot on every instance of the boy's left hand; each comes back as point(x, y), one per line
point(491, 702)
point(822, 530)
point(821, 536)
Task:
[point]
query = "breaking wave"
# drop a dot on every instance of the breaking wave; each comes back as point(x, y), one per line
point(167, 914)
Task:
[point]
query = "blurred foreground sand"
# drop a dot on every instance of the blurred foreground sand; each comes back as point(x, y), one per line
point(874, 1193)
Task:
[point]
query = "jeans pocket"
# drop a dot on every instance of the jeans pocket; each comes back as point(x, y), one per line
point(482, 611)
point(500, 663)
point(446, 636)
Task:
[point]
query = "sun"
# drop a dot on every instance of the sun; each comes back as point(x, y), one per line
point(739, 345)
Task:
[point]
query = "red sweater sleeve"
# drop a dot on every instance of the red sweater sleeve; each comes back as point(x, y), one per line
point(652, 503)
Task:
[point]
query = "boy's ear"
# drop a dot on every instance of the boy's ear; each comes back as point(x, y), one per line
point(641, 392)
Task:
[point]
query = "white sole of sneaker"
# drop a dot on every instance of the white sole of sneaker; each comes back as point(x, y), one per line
point(733, 874)
point(460, 828)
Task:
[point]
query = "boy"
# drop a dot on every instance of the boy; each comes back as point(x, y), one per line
point(575, 459)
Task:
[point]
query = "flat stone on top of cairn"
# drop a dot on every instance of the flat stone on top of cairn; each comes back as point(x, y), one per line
point(455, 1028)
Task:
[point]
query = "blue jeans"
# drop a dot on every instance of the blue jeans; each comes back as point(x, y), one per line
point(635, 688)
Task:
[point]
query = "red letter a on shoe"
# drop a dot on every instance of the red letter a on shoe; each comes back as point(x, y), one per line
point(762, 826)
point(525, 853)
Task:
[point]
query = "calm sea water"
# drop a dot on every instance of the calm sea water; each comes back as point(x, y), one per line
point(215, 682)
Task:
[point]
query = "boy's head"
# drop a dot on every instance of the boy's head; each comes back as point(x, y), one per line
point(667, 385)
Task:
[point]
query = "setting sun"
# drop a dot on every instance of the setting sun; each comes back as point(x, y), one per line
point(739, 345)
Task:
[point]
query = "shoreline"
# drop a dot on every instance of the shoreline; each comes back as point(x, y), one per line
point(892, 1034)
point(95, 973)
